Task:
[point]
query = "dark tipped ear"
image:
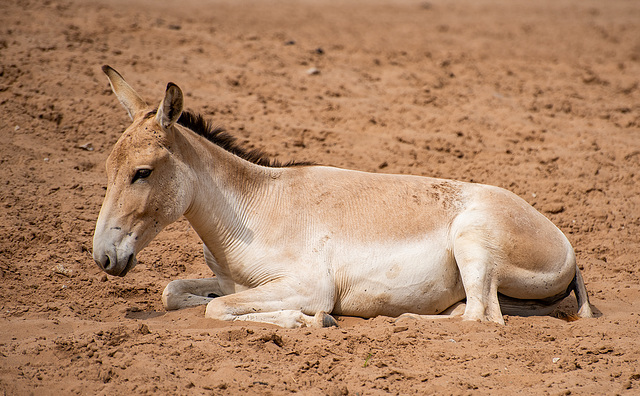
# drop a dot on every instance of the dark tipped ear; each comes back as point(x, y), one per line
point(131, 101)
point(171, 106)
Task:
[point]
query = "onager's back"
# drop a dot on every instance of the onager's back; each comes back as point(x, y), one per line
point(292, 244)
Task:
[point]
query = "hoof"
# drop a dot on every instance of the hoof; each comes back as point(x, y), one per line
point(325, 320)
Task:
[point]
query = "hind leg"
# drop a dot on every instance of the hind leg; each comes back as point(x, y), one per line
point(478, 272)
point(454, 311)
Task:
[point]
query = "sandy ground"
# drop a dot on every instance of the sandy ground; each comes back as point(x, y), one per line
point(541, 98)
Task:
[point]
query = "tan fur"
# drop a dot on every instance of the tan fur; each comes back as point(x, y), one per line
point(288, 245)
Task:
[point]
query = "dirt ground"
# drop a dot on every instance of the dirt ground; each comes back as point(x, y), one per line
point(541, 98)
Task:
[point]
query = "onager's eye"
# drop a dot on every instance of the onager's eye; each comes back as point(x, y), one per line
point(141, 174)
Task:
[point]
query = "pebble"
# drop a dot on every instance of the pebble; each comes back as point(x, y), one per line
point(87, 146)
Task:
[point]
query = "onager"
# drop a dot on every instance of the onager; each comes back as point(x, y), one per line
point(292, 244)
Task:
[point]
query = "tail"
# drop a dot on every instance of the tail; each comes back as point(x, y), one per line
point(584, 307)
point(532, 307)
point(545, 306)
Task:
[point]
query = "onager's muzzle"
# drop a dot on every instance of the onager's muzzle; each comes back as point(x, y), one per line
point(113, 264)
point(114, 250)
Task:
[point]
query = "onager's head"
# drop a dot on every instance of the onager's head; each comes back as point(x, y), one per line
point(147, 179)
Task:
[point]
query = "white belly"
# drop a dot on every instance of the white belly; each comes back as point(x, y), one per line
point(418, 277)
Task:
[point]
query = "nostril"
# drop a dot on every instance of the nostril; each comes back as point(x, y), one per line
point(107, 264)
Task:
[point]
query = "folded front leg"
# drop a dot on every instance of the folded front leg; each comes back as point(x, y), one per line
point(274, 303)
point(287, 318)
point(183, 293)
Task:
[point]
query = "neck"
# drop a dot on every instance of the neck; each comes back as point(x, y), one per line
point(227, 193)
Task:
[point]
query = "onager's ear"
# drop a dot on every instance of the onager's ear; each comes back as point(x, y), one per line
point(131, 101)
point(170, 108)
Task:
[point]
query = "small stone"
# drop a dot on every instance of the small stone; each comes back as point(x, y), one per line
point(553, 208)
point(60, 269)
point(87, 146)
point(313, 71)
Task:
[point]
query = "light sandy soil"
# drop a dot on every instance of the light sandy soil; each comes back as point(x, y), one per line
point(541, 98)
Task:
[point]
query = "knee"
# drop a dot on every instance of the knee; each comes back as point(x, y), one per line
point(216, 309)
point(171, 295)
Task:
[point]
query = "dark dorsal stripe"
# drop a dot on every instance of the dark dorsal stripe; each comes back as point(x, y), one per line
point(218, 136)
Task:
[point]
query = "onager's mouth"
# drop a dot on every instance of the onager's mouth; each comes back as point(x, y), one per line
point(131, 262)
point(112, 268)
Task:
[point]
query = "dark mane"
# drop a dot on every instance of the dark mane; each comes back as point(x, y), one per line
point(218, 136)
